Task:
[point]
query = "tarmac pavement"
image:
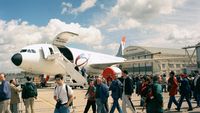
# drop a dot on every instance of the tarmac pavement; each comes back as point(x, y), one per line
point(45, 103)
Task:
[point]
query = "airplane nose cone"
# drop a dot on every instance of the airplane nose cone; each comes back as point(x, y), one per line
point(17, 59)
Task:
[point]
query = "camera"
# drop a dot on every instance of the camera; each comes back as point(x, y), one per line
point(59, 103)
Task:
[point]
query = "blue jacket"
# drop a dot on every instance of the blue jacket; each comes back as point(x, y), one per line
point(116, 89)
point(103, 92)
point(5, 91)
point(185, 87)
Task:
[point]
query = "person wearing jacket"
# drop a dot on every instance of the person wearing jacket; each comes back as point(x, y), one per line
point(91, 97)
point(15, 100)
point(29, 92)
point(102, 94)
point(115, 88)
point(5, 94)
point(184, 92)
point(173, 88)
point(155, 99)
point(127, 92)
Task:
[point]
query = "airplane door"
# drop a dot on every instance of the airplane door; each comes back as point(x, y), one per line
point(46, 51)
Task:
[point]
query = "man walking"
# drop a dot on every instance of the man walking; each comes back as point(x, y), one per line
point(116, 89)
point(172, 88)
point(29, 93)
point(155, 98)
point(102, 94)
point(197, 87)
point(5, 94)
point(127, 92)
point(90, 95)
point(63, 94)
point(184, 92)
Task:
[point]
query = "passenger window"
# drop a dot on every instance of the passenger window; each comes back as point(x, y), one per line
point(51, 50)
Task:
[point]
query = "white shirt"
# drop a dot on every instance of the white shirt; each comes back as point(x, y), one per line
point(195, 80)
point(61, 93)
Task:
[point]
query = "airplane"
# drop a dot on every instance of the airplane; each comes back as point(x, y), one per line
point(56, 58)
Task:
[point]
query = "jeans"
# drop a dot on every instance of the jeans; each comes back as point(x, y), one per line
point(116, 104)
point(198, 99)
point(187, 97)
point(62, 109)
point(14, 108)
point(172, 99)
point(100, 106)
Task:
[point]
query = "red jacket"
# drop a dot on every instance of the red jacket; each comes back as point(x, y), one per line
point(174, 87)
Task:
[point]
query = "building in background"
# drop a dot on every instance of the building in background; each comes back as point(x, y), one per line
point(170, 59)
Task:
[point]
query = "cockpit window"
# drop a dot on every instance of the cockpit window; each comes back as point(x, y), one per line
point(28, 51)
point(23, 50)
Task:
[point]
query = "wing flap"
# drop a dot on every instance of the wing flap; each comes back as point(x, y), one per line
point(104, 65)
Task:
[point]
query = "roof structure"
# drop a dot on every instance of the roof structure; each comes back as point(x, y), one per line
point(171, 51)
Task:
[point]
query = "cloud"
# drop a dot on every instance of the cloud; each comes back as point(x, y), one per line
point(68, 8)
point(16, 34)
point(112, 47)
point(125, 25)
point(141, 11)
point(172, 36)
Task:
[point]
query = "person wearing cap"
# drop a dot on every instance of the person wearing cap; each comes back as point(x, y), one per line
point(172, 88)
point(184, 92)
point(127, 92)
point(5, 94)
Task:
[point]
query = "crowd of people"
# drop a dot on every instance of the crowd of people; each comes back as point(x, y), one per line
point(187, 86)
point(148, 87)
point(10, 98)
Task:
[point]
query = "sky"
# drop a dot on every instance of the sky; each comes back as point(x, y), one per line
point(99, 23)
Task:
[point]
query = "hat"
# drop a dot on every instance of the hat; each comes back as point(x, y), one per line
point(183, 75)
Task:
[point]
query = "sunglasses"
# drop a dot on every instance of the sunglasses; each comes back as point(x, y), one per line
point(58, 79)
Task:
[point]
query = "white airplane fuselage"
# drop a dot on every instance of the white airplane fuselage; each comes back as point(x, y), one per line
point(48, 59)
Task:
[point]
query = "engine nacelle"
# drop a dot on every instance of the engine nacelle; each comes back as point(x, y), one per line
point(111, 73)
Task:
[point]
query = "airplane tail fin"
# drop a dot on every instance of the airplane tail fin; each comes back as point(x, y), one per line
point(120, 52)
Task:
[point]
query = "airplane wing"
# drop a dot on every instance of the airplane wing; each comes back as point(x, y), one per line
point(104, 65)
point(62, 38)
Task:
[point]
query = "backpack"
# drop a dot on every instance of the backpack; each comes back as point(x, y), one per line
point(30, 90)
